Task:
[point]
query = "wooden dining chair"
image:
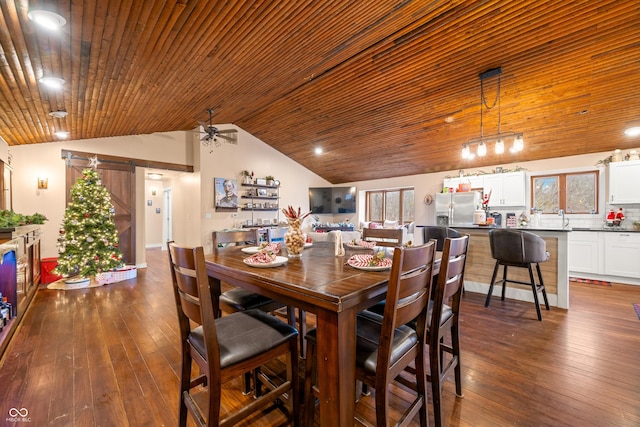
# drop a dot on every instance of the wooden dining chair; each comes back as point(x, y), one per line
point(239, 299)
point(444, 355)
point(442, 321)
point(225, 348)
point(383, 236)
point(385, 345)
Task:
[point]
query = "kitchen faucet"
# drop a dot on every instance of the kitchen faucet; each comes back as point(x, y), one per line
point(564, 223)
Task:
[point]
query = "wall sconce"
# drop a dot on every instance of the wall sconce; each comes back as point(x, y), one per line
point(499, 138)
point(43, 183)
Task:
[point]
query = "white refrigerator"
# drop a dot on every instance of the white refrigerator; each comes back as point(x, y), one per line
point(456, 208)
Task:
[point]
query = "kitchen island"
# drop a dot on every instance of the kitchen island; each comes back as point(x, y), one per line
point(555, 271)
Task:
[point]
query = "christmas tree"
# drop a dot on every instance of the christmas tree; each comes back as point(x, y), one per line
point(88, 241)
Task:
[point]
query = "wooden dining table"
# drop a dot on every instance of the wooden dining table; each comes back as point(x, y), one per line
point(323, 284)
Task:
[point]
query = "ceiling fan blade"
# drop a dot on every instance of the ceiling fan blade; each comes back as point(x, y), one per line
point(227, 131)
point(231, 139)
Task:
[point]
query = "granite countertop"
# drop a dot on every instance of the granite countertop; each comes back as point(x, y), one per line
point(607, 229)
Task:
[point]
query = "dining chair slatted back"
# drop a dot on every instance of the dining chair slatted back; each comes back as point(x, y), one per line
point(213, 345)
point(389, 237)
point(385, 345)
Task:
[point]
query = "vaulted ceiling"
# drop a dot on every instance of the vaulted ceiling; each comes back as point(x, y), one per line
point(385, 88)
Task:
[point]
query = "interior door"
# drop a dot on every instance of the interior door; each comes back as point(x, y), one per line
point(119, 179)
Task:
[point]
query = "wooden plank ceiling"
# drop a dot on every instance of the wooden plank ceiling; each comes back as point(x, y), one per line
point(371, 82)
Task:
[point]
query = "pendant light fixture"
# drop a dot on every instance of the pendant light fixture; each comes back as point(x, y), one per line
point(498, 138)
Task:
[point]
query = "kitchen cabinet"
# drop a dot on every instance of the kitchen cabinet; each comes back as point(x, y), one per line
point(585, 252)
point(623, 182)
point(507, 189)
point(622, 254)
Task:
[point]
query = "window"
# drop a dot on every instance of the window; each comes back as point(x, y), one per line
point(576, 193)
point(390, 205)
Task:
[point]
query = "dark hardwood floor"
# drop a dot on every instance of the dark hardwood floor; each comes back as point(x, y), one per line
point(109, 356)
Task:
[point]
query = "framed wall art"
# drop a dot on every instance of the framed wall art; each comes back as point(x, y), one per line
point(225, 193)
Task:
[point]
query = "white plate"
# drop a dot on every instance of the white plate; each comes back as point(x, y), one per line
point(357, 265)
point(250, 250)
point(308, 244)
point(279, 261)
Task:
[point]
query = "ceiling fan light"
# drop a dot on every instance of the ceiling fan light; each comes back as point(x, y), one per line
point(499, 146)
point(47, 19)
point(482, 149)
point(52, 82)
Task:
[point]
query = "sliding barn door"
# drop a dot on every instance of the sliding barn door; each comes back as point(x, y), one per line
point(119, 179)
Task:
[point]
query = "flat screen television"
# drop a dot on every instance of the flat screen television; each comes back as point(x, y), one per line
point(332, 200)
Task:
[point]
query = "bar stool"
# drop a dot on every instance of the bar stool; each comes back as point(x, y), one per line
point(517, 248)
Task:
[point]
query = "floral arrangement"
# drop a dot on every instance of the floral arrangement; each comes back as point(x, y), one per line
point(247, 173)
point(291, 214)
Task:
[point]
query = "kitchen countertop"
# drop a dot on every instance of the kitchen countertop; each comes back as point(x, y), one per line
point(489, 227)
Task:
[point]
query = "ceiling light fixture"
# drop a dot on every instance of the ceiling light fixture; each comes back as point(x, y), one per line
point(62, 134)
point(154, 175)
point(60, 114)
point(47, 19)
point(633, 129)
point(518, 137)
point(52, 82)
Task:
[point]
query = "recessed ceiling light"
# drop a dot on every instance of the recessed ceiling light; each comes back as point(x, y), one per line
point(318, 150)
point(62, 134)
point(60, 114)
point(47, 19)
point(632, 131)
point(52, 82)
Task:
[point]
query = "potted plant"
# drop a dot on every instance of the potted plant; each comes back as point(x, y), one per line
point(270, 180)
point(247, 176)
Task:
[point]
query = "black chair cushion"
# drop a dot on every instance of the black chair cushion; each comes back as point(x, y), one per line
point(368, 339)
point(241, 299)
point(244, 334)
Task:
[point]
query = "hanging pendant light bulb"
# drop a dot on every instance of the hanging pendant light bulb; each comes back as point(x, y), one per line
point(466, 152)
point(518, 143)
point(482, 149)
point(499, 146)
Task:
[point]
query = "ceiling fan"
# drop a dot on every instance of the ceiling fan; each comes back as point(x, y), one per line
point(211, 134)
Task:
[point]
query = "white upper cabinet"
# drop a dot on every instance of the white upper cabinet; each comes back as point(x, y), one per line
point(507, 189)
point(624, 179)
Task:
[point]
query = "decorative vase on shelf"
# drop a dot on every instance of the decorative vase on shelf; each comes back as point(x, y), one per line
point(294, 239)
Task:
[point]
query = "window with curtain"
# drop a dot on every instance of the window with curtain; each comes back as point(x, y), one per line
point(390, 205)
point(575, 193)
